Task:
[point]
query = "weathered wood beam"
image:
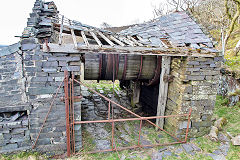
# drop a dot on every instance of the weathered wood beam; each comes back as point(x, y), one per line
point(163, 90)
point(135, 41)
point(96, 39)
point(117, 41)
point(84, 38)
point(73, 36)
point(69, 48)
point(61, 31)
point(125, 40)
point(106, 39)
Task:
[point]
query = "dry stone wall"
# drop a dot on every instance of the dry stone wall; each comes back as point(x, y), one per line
point(29, 79)
point(14, 109)
point(45, 73)
point(194, 86)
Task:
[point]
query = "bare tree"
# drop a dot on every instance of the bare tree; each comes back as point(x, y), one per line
point(237, 48)
point(183, 5)
point(175, 5)
point(162, 9)
point(233, 15)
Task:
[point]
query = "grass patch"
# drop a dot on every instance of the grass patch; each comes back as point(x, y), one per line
point(230, 113)
point(24, 156)
point(103, 85)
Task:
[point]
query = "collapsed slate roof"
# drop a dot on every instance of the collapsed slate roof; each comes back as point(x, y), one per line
point(179, 29)
point(10, 49)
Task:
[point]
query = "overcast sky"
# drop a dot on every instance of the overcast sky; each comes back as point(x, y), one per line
point(14, 13)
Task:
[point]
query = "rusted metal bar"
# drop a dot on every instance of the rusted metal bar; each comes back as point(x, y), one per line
point(100, 67)
point(113, 135)
point(73, 120)
point(46, 42)
point(70, 114)
point(140, 128)
point(109, 107)
point(116, 149)
point(46, 117)
point(190, 112)
point(125, 68)
point(140, 69)
point(130, 147)
point(67, 112)
point(129, 119)
point(127, 110)
point(165, 144)
point(155, 79)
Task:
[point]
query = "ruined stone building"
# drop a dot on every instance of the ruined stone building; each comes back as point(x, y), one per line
point(169, 64)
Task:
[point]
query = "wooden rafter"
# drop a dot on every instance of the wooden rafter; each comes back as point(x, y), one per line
point(96, 38)
point(73, 36)
point(117, 41)
point(61, 31)
point(84, 38)
point(106, 39)
point(69, 48)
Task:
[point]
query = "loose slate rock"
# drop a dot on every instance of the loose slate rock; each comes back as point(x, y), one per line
point(187, 147)
point(217, 157)
point(179, 150)
point(157, 156)
point(224, 148)
point(167, 153)
point(236, 141)
point(223, 138)
point(146, 142)
point(162, 149)
point(102, 144)
point(196, 148)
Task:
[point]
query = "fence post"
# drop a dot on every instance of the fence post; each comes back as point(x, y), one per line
point(67, 112)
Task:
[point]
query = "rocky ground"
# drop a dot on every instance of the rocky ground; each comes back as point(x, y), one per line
point(98, 136)
point(126, 134)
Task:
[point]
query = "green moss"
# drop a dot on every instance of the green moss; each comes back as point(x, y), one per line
point(23, 155)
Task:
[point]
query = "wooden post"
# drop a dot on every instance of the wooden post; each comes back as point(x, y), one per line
point(163, 90)
point(136, 93)
point(67, 112)
point(61, 31)
point(73, 35)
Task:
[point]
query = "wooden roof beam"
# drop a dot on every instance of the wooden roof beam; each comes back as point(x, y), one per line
point(106, 39)
point(117, 41)
point(84, 38)
point(69, 48)
point(96, 38)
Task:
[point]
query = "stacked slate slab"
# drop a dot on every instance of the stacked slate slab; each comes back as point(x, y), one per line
point(29, 80)
point(194, 86)
point(14, 132)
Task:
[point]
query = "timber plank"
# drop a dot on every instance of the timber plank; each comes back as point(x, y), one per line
point(163, 90)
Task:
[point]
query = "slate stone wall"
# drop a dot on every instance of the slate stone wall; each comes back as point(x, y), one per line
point(194, 86)
point(14, 130)
point(29, 80)
point(11, 79)
point(44, 73)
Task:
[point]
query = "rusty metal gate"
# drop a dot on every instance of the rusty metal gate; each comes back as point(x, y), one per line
point(70, 122)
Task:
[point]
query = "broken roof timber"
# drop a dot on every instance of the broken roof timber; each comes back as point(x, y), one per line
point(183, 52)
